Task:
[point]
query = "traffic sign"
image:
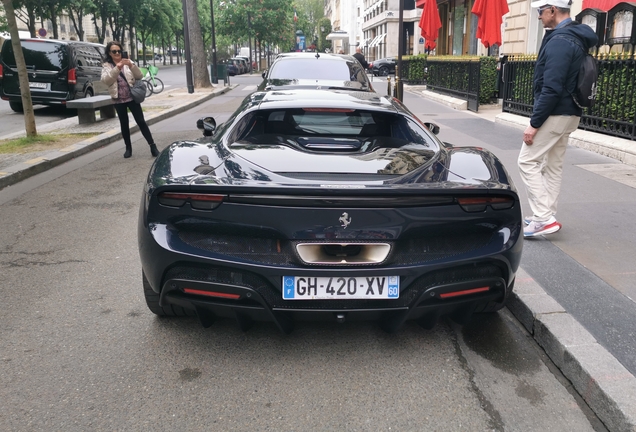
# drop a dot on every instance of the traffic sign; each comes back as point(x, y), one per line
point(42, 32)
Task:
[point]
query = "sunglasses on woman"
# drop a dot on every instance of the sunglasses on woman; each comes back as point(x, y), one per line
point(115, 51)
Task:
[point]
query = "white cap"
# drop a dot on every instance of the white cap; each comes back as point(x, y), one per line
point(566, 4)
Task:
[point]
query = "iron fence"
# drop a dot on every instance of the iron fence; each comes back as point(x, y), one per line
point(614, 112)
point(455, 78)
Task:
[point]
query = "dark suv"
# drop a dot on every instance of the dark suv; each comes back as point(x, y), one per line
point(59, 71)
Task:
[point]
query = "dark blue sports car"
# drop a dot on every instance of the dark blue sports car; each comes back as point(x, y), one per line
point(327, 205)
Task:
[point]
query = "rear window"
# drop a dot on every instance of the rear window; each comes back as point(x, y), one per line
point(38, 55)
point(300, 125)
point(319, 69)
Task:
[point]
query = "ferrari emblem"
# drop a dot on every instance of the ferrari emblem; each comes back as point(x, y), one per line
point(345, 220)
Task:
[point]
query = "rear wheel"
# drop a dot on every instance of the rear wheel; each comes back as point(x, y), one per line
point(16, 106)
point(152, 300)
point(89, 93)
point(157, 86)
point(148, 89)
point(384, 71)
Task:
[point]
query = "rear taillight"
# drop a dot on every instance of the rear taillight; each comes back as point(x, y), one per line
point(197, 201)
point(478, 204)
point(1, 71)
point(72, 76)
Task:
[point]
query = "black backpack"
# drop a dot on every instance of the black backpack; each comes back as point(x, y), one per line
point(585, 92)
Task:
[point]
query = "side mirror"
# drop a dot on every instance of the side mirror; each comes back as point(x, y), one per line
point(207, 125)
point(432, 127)
point(264, 74)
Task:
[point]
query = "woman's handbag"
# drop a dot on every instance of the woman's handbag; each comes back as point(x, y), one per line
point(138, 91)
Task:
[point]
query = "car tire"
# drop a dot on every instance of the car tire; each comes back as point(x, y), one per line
point(384, 71)
point(152, 300)
point(89, 93)
point(16, 106)
point(493, 306)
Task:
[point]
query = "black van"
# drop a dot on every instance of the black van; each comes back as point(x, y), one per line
point(59, 71)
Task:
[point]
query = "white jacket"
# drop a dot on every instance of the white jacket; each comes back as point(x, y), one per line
point(110, 74)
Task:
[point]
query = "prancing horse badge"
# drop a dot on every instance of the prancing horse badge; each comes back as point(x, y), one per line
point(345, 220)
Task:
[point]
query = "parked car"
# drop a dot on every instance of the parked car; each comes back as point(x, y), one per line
point(329, 205)
point(232, 69)
point(313, 70)
point(248, 64)
point(241, 64)
point(58, 71)
point(383, 67)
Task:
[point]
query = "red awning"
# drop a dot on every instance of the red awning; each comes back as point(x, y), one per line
point(490, 13)
point(430, 24)
point(603, 5)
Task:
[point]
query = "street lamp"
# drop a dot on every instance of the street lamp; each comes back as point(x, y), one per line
point(186, 42)
point(215, 77)
point(398, 73)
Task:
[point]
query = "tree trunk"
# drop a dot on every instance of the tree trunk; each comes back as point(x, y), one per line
point(200, 74)
point(27, 104)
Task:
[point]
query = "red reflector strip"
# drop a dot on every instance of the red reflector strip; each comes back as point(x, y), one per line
point(192, 196)
point(212, 293)
point(343, 110)
point(464, 292)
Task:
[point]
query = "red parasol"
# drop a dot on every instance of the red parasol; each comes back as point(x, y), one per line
point(603, 5)
point(490, 13)
point(430, 23)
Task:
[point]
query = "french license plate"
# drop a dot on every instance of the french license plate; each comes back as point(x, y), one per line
point(37, 85)
point(338, 288)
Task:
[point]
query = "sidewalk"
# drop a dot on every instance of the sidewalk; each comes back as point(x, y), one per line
point(17, 167)
point(603, 382)
point(617, 148)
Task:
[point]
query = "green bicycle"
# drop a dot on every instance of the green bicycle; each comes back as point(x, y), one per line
point(153, 84)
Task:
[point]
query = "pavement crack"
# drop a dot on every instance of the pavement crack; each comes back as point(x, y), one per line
point(495, 421)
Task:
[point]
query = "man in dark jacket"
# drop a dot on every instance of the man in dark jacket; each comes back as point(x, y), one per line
point(555, 114)
point(360, 57)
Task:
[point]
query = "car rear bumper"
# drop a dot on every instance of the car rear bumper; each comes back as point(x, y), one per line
point(249, 292)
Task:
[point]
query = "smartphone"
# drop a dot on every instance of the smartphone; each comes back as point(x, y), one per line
point(124, 54)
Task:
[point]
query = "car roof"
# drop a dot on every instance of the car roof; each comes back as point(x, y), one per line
point(326, 56)
point(312, 98)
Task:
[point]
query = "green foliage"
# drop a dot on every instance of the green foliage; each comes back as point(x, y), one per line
point(4, 26)
point(616, 94)
point(446, 72)
point(415, 68)
point(487, 79)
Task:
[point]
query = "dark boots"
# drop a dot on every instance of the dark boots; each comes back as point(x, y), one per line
point(153, 150)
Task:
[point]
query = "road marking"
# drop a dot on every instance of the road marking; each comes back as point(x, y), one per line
point(249, 88)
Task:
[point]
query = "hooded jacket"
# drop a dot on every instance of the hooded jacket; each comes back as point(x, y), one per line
point(557, 69)
point(111, 72)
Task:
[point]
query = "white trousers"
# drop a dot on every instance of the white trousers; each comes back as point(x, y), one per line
point(541, 164)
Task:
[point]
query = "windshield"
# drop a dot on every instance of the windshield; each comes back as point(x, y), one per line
point(38, 55)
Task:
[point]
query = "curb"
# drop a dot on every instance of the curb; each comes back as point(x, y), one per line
point(607, 387)
point(24, 170)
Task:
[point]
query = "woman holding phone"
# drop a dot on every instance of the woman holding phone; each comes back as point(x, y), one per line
point(119, 73)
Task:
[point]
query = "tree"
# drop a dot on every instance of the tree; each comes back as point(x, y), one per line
point(27, 104)
point(52, 10)
point(76, 11)
point(32, 8)
point(200, 74)
point(102, 11)
point(4, 27)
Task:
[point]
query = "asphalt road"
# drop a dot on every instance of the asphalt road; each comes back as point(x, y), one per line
point(80, 351)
